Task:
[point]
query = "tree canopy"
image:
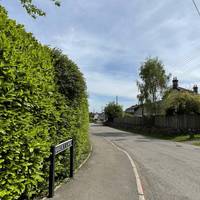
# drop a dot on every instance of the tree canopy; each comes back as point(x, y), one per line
point(33, 10)
point(153, 82)
point(113, 111)
point(182, 103)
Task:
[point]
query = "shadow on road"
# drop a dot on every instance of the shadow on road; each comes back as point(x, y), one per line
point(123, 136)
point(110, 134)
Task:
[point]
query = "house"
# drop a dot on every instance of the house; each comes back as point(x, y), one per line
point(176, 87)
point(99, 116)
point(102, 116)
point(141, 110)
point(96, 116)
point(132, 109)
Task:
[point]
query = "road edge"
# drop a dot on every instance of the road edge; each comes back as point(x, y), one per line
point(76, 170)
point(137, 177)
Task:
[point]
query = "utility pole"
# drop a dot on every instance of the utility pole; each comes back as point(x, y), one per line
point(116, 100)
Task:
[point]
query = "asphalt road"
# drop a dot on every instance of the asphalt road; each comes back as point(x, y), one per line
point(168, 170)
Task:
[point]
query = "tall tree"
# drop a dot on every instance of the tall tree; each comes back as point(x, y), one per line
point(153, 82)
point(33, 10)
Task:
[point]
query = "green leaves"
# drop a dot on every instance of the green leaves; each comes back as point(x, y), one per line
point(177, 102)
point(37, 111)
point(153, 82)
point(113, 111)
point(33, 10)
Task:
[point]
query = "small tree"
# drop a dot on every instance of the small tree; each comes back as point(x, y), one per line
point(113, 111)
point(153, 83)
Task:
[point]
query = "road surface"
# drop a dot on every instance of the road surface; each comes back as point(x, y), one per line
point(168, 170)
point(107, 175)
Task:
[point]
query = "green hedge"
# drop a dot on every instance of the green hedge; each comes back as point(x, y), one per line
point(37, 110)
point(71, 85)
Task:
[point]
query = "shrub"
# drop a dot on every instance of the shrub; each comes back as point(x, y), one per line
point(35, 112)
point(182, 103)
point(71, 85)
point(113, 111)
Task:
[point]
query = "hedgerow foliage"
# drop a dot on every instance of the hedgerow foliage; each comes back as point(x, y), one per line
point(181, 103)
point(43, 102)
point(72, 86)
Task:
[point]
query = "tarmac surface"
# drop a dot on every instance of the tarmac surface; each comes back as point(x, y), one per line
point(168, 170)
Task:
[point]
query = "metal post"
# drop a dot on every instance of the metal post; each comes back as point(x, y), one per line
point(71, 173)
point(51, 172)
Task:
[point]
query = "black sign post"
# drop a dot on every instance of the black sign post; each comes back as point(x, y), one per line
point(71, 174)
point(54, 151)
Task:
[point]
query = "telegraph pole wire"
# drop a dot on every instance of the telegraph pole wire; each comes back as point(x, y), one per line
point(195, 5)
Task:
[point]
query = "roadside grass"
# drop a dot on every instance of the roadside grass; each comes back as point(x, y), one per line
point(176, 138)
point(196, 143)
point(184, 138)
point(195, 140)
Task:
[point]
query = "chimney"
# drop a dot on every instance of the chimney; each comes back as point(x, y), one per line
point(195, 89)
point(175, 83)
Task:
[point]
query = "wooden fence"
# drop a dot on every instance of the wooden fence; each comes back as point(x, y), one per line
point(174, 122)
point(178, 122)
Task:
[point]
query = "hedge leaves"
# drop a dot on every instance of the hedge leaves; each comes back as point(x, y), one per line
point(43, 102)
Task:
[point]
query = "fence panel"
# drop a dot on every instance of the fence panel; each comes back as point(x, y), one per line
point(178, 122)
point(174, 122)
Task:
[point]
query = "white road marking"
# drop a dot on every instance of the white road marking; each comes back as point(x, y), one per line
point(138, 181)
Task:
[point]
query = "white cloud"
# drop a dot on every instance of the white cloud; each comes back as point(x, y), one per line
point(110, 39)
point(109, 85)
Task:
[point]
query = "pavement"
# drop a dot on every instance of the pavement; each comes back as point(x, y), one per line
point(168, 170)
point(108, 175)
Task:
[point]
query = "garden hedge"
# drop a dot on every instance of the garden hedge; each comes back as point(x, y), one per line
point(43, 101)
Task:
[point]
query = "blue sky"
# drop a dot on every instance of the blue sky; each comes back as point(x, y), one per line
point(109, 39)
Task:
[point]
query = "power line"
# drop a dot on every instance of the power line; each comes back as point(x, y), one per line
point(195, 5)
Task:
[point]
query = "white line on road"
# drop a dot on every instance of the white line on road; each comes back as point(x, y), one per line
point(138, 181)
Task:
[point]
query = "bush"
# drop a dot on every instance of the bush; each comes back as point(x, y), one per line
point(113, 111)
point(37, 111)
point(71, 85)
point(182, 103)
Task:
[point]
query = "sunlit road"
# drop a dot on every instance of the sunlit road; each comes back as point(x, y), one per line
point(108, 174)
point(169, 170)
